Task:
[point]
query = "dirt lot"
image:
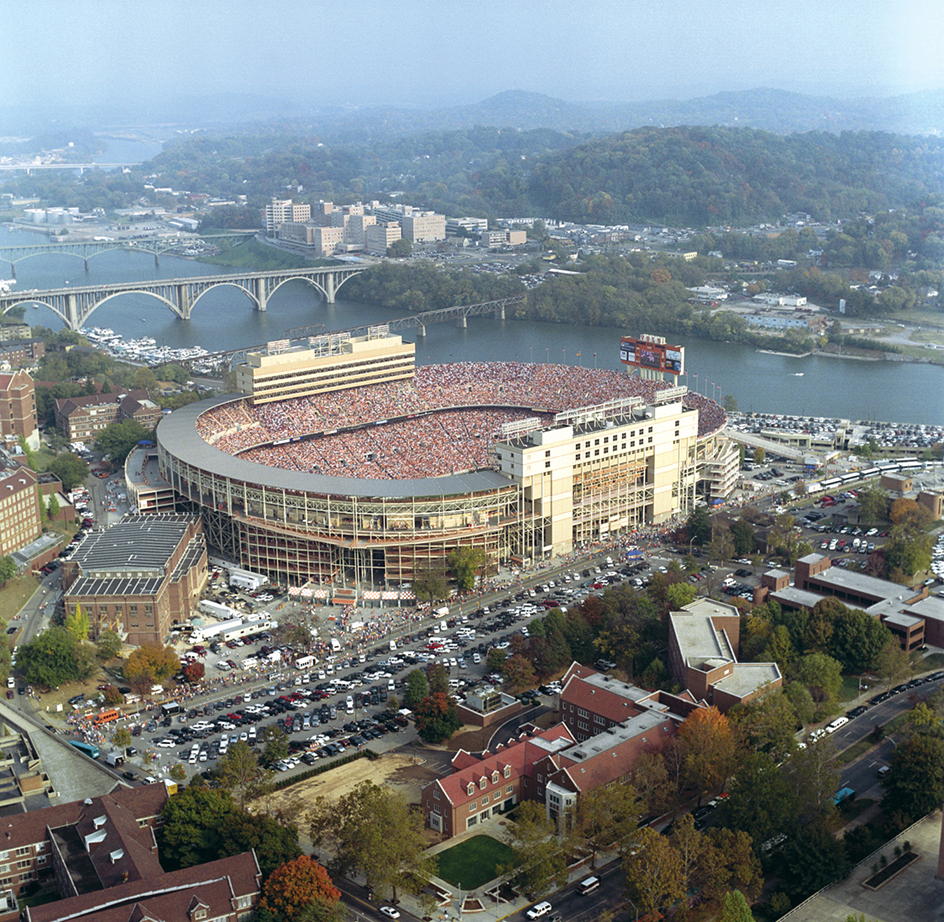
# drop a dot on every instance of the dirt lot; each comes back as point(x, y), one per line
point(395, 771)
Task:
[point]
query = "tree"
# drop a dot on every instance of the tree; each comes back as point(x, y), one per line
point(722, 544)
point(607, 816)
point(145, 379)
point(112, 697)
point(873, 504)
point(7, 569)
point(766, 724)
point(894, 664)
point(698, 526)
point(416, 688)
point(177, 773)
point(735, 908)
point(652, 875)
point(708, 748)
point(464, 564)
point(760, 456)
point(150, 663)
point(108, 645)
point(274, 746)
point(437, 718)
point(652, 783)
point(813, 859)
point(122, 736)
point(761, 803)
point(52, 508)
point(54, 658)
point(822, 675)
point(437, 677)
point(400, 248)
point(518, 673)
point(430, 586)
point(914, 784)
point(538, 857)
point(908, 553)
point(292, 887)
point(69, 469)
point(117, 440)
point(910, 513)
point(858, 640)
point(374, 830)
point(77, 624)
point(678, 595)
point(495, 659)
point(194, 673)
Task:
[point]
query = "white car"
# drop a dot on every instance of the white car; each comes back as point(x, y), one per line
point(391, 912)
point(538, 910)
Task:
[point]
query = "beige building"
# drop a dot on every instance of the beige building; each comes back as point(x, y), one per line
point(333, 363)
point(603, 470)
point(379, 236)
point(285, 211)
point(323, 241)
point(416, 225)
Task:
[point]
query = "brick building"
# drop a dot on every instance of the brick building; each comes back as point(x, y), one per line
point(19, 352)
point(81, 418)
point(140, 577)
point(18, 409)
point(20, 522)
point(100, 856)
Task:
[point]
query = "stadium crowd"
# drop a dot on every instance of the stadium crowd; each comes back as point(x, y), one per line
point(457, 412)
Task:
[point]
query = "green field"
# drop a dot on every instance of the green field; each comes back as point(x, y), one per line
point(473, 862)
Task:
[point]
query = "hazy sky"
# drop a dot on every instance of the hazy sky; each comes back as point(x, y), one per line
point(81, 52)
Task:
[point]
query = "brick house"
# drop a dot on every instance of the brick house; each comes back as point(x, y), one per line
point(81, 418)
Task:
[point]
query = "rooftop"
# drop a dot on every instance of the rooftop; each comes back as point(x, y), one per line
point(135, 544)
point(746, 678)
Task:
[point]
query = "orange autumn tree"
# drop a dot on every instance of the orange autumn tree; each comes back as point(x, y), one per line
point(293, 886)
point(708, 747)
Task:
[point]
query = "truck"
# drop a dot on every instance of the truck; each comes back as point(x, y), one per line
point(115, 758)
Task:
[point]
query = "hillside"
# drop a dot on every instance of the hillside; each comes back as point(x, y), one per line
point(710, 176)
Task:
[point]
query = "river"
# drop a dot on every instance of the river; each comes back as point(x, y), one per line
point(223, 319)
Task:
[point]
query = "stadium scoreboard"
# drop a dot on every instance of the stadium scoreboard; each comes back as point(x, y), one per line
point(652, 353)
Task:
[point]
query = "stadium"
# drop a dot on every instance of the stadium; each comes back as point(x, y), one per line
point(344, 459)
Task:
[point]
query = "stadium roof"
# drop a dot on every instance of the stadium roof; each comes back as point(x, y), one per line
point(177, 434)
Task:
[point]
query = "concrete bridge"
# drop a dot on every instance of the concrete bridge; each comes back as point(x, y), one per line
point(74, 305)
point(85, 249)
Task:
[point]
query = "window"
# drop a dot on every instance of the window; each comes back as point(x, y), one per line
point(495, 776)
point(24, 851)
point(483, 782)
point(473, 807)
point(507, 771)
point(470, 790)
point(485, 800)
point(509, 789)
point(436, 793)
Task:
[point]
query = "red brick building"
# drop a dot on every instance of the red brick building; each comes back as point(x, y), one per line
point(18, 409)
point(82, 418)
point(100, 856)
point(20, 523)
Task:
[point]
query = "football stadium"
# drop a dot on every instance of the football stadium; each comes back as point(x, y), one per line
point(341, 457)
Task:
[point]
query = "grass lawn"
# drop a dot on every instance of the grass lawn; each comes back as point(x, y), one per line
point(850, 688)
point(14, 595)
point(473, 862)
point(934, 661)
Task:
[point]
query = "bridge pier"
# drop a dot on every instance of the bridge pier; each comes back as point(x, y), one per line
point(330, 287)
point(183, 300)
point(12, 270)
point(500, 312)
point(421, 329)
point(261, 297)
point(157, 259)
point(461, 321)
point(72, 311)
point(86, 264)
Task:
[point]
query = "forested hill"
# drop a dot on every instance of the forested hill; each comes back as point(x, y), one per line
point(702, 176)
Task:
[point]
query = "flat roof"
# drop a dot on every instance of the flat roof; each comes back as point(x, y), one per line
point(802, 597)
point(137, 542)
point(699, 642)
point(614, 736)
point(746, 678)
point(864, 584)
point(177, 435)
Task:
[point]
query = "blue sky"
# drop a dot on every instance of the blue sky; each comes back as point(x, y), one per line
point(414, 52)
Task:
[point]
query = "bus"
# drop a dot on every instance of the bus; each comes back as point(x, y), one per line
point(843, 795)
point(93, 752)
point(106, 716)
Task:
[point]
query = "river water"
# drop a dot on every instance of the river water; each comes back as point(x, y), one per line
point(224, 319)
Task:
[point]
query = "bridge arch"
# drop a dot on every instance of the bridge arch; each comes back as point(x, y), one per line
point(235, 285)
point(63, 252)
point(41, 303)
point(300, 278)
point(83, 318)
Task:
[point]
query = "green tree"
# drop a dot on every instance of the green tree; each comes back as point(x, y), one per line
point(908, 554)
point(812, 859)
point(518, 673)
point(374, 830)
point(400, 248)
point(678, 595)
point(108, 645)
point(873, 504)
point(437, 718)
point(52, 508)
point(858, 640)
point(761, 803)
point(274, 746)
point(766, 724)
point(914, 784)
point(240, 773)
point(495, 659)
point(69, 469)
point(177, 772)
point(698, 526)
point(538, 859)
point(893, 665)
point(464, 565)
point(117, 440)
point(735, 908)
point(122, 737)
point(430, 586)
point(7, 569)
point(822, 675)
point(416, 688)
point(54, 658)
point(760, 456)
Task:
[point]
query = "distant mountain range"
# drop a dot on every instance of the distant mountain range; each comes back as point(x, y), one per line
point(773, 110)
